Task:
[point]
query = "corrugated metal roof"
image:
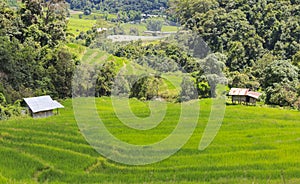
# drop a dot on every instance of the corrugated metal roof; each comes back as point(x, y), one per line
point(42, 103)
point(58, 105)
point(254, 94)
point(244, 92)
point(238, 91)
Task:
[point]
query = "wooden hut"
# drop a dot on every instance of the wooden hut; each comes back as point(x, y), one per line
point(244, 96)
point(42, 106)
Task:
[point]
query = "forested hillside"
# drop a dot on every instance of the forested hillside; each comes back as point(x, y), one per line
point(114, 6)
point(34, 59)
point(259, 38)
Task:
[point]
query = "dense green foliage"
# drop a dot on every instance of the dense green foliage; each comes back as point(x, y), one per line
point(8, 110)
point(34, 60)
point(162, 56)
point(154, 24)
point(246, 39)
point(254, 45)
point(168, 56)
point(257, 145)
point(105, 79)
point(244, 30)
point(115, 6)
point(188, 91)
point(260, 39)
point(281, 81)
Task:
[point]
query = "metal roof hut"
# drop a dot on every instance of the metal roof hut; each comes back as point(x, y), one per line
point(42, 106)
point(241, 95)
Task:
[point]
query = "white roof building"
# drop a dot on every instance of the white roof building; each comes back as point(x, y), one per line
point(42, 106)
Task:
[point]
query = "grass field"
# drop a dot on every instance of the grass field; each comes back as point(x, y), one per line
point(142, 27)
point(92, 56)
point(86, 22)
point(254, 145)
point(75, 26)
point(93, 16)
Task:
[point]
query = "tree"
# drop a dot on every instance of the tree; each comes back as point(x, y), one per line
point(2, 99)
point(203, 89)
point(280, 71)
point(154, 24)
point(115, 6)
point(296, 59)
point(134, 15)
point(261, 64)
point(213, 68)
point(32, 60)
point(188, 90)
point(105, 79)
point(280, 80)
point(145, 88)
point(87, 10)
point(236, 56)
point(48, 18)
point(120, 86)
point(7, 25)
point(118, 30)
point(243, 80)
point(281, 94)
point(62, 72)
point(243, 30)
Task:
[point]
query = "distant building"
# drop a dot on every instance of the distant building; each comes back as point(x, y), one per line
point(99, 30)
point(42, 106)
point(145, 16)
point(246, 96)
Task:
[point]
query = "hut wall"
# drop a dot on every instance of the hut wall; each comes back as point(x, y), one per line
point(239, 99)
point(42, 114)
point(252, 101)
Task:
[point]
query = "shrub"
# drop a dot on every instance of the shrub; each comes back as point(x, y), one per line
point(188, 90)
point(154, 24)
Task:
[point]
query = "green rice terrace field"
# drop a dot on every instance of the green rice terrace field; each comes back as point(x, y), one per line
point(254, 145)
point(77, 25)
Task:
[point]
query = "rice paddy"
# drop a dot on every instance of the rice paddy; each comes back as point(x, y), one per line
point(254, 145)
